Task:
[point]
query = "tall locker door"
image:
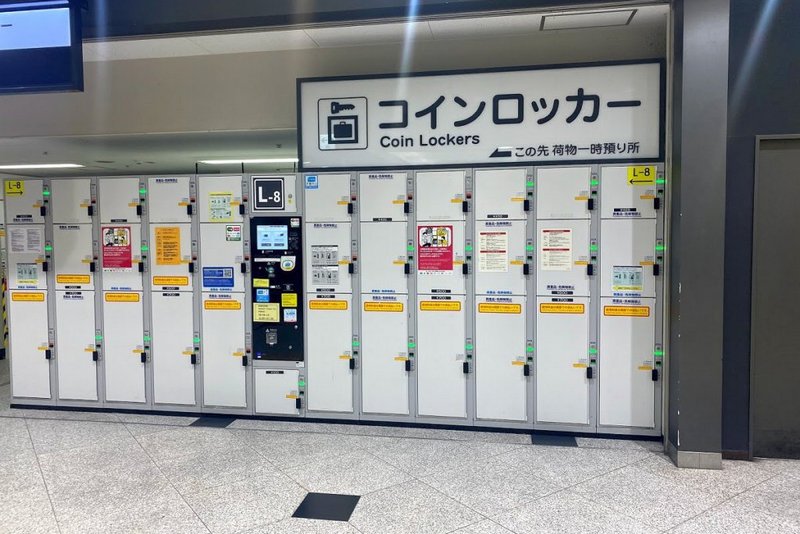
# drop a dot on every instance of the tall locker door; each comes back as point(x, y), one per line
point(75, 345)
point(327, 197)
point(171, 256)
point(169, 199)
point(123, 347)
point(625, 353)
point(219, 198)
point(500, 193)
point(24, 200)
point(563, 250)
point(441, 356)
point(25, 252)
point(173, 346)
point(330, 325)
point(71, 201)
point(383, 196)
point(28, 343)
point(500, 359)
point(384, 355)
point(440, 195)
point(119, 200)
point(563, 192)
point(562, 337)
point(627, 258)
point(328, 257)
point(440, 256)
point(220, 260)
point(224, 376)
point(121, 256)
point(383, 258)
point(500, 257)
point(627, 197)
point(73, 256)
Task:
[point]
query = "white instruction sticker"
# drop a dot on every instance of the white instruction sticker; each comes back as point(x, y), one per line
point(493, 252)
point(556, 247)
point(27, 240)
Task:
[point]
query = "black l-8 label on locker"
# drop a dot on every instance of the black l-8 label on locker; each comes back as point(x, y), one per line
point(268, 194)
point(277, 288)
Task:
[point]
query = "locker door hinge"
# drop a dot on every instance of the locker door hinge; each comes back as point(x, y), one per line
point(90, 211)
point(657, 203)
point(141, 266)
point(465, 367)
point(350, 210)
point(406, 207)
point(654, 375)
point(95, 356)
point(409, 366)
point(656, 269)
point(144, 357)
point(243, 267)
point(526, 205)
point(590, 372)
point(526, 269)
point(241, 209)
point(193, 359)
point(351, 268)
point(48, 354)
point(92, 267)
point(407, 268)
point(43, 211)
point(191, 267)
point(465, 269)
point(526, 369)
point(2, 353)
point(352, 363)
point(45, 266)
point(465, 206)
point(590, 204)
point(590, 269)
point(189, 209)
point(139, 210)
point(244, 361)
point(298, 403)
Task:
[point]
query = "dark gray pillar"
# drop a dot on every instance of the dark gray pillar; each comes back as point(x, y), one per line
point(699, 144)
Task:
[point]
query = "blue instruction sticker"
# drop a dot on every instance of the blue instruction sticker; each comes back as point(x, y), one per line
point(218, 277)
point(312, 182)
point(262, 295)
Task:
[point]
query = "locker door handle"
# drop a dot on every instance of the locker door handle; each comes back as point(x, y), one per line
point(465, 206)
point(139, 210)
point(407, 268)
point(657, 203)
point(526, 369)
point(298, 403)
point(191, 267)
point(654, 375)
point(48, 354)
point(144, 357)
point(465, 367)
point(526, 269)
point(350, 208)
point(352, 363)
point(590, 269)
point(92, 267)
point(243, 267)
point(406, 207)
point(43, 211)
point(590, 372)
point(189, 209)
point(90, 211)
point(590, 204)
point(141, 266)
point(351, 268)
point(526, 205)
point(656, 269)
point(193, 359)
point(244, 361)
point(45, 266)
point(95, 356)
point(241, 209)
point(408, 366)
point(465, 269)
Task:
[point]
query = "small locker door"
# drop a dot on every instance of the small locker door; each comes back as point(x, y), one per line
point(28, 343)
point(562, 345)
point(220, 260)
point(224, 376)
point(440, 195)
point(384, 355)
point(25, 250)
point(327, 197)
point(173, 346)
point(119, 200)
point(277, 391)
point(627, 258)
point(625, 353)
point(75, 345)
point(441, 356)
point(328, 257)
point(563, 192)
point(500, 257)
point(170, 256)
point(440, 257)
point(73, 256)
point(121, 256)
point(383, 196)
point(501, 384)
point(383, 258)
point(71, 201)
point(169, 199)
point(628, 196)
point(563, 257)
point(219, 198)
point(123, 347)
point(24, 200)
point(500, 193)
point(330, 326)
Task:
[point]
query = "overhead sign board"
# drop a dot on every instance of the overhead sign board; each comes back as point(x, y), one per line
point(604, 112)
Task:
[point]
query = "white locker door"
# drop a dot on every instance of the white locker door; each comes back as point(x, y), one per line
point(170, 255)
point(168, 198)
point(563, 192)
point(118, 199)
point(500, 257)
point(75, 343)
point(73, 256)
point(70, 200)
point(25, 250)
point(328, 256)
point(383, 257)
point(500, 193)
point(220, 260)
point(441, 382)
point(625, 354)
point(219, 198)
point(562, 345)
point(440, 256)
point(173, 344)
point(327, 197)
point(384, 351)
point(627, 254)
point(23, 201)
point(501, 384)
point(224, 376)
point(330, 380)
point(440, 195)
point(28, 341)
point(277, 391)
point(123, 346)
point(121, 266)
point(627, 197)
point(383, 195)
point(563, 254)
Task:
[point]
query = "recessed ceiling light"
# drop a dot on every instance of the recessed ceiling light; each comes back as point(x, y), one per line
point(40, 166)
point(594, 19)
point(239, 161)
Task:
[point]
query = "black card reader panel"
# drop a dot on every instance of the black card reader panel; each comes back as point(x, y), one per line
point(276, 267)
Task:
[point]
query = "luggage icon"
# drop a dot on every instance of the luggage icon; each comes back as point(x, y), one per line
point(342, 129)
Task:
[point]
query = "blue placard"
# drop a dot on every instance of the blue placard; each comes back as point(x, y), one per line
point(262, 295)
point(218, 277)
point(312, 182)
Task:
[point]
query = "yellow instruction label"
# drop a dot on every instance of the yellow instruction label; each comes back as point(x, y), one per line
point(439, 305)
point(626, 311)
point(168, 245)
point(558, 307)
point(27, 297)
point(383, 306)
point(73, 278)
point(122, 297)
point(260, 282)
point(331, 304)
point(266, 312)
point(642, 175)
point(222, 305)
point(289, 300)
point(170, 280)
point(497, 307)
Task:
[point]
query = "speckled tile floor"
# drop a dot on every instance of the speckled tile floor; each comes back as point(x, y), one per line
point(85, 473)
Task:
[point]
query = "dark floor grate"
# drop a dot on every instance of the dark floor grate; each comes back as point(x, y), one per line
point(214, 422)
point(554, 440)
point(328, 506)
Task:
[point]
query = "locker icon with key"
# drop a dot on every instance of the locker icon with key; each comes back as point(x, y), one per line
point(342, 123)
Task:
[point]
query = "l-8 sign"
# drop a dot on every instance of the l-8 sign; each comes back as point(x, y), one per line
point(268, 193)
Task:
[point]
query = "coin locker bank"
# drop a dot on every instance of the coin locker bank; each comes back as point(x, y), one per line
point(408, 274)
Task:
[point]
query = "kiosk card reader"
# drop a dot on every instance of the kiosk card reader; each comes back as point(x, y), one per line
point(277, 288)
